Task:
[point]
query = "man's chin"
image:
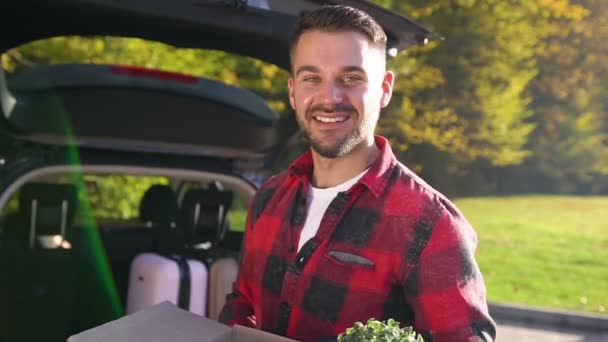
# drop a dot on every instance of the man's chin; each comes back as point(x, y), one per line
point(330, 152)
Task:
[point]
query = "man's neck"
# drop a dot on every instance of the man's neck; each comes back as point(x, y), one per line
point(329, 172)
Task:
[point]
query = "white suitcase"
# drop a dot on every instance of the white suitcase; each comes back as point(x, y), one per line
point(155, 278)
point(222, 275)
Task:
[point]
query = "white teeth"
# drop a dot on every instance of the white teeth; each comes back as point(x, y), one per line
point(328, 120)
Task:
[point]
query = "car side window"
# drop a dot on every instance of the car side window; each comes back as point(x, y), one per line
point(8, 212)
point(236, 215)
point(115, 196)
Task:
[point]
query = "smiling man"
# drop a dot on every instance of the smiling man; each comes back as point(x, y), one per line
point(348, 233)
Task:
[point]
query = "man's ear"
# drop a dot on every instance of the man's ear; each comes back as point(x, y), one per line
point(387, 88)
point(292, 100)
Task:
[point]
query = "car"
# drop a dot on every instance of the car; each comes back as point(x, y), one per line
point(100, 162)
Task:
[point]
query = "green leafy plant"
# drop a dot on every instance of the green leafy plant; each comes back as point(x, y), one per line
point(379, 331)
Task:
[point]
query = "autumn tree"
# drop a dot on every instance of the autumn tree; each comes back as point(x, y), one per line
point(570, 144)
point(463, 103)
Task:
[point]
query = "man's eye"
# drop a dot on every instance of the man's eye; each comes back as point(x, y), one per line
point(352, 79)
point(310, 79)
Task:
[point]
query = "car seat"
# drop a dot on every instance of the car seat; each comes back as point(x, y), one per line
point(204, 219)
point(37, 265)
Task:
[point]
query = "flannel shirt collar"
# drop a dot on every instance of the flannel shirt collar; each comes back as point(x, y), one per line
point(375, 179)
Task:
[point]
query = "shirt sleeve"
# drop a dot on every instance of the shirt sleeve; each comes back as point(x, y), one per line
point(238, 308)
point(445, 287)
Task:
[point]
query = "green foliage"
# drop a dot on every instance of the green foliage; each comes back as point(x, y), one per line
point(12, 205)
point(475, 105)
point(513, 83)
point(569, 101)
point(379, 331)
point(116, 196)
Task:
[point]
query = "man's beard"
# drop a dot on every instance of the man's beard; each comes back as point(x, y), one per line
point(345, 145)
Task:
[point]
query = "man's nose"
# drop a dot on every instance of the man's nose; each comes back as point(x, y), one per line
point(332, 92)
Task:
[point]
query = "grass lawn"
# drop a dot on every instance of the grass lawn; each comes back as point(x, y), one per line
point(547, 251)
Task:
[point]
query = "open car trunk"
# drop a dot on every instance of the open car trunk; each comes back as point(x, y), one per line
point(141, 110)
point(146, 110)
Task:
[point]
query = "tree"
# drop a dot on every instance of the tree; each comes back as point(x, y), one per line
point(571, 143)
point(464, 102)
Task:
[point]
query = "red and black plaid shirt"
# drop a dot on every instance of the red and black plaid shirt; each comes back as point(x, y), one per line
point(390, 247)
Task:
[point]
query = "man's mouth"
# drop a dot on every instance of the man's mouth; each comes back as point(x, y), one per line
point(328, 119)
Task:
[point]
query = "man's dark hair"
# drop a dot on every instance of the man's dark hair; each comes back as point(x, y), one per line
point(338, 18)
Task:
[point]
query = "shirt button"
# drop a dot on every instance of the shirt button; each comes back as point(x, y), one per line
point(291, 249)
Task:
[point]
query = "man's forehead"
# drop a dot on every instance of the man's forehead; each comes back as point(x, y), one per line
point(336, 50)
point(315, 36)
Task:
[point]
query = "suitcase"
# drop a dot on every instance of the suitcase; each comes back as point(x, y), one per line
point(222, 275)
point(155, 278)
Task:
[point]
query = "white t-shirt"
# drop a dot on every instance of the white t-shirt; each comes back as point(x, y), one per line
point(318, 201)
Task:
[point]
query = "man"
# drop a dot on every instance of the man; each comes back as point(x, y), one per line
point(347, 233)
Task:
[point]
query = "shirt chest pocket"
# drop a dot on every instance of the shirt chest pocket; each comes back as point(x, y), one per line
point(350, 269)
point(350, 259)
point(344, 264)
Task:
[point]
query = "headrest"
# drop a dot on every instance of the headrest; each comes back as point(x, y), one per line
point(47, 209)
point(203, 214)
point(159, 206)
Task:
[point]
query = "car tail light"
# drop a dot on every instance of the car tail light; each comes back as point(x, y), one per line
point(153, 73)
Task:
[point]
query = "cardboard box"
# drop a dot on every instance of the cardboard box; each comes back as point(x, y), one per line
point(166, 322)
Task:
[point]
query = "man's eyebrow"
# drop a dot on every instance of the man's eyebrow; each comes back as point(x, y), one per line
point(312, 68)
point(308, 68)
point(353, 68)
